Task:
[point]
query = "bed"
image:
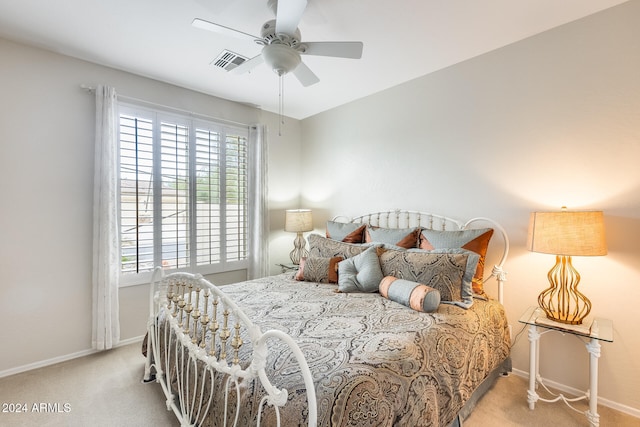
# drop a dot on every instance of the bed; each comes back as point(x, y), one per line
point(334, 345)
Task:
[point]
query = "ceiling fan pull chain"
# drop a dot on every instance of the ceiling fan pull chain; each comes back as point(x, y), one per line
point(281, 104)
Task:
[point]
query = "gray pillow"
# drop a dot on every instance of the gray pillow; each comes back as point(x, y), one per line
point(403, 237)
point(361, 273)
point(349, 232)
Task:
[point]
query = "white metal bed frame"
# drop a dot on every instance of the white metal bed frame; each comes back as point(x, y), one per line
point(191, 331)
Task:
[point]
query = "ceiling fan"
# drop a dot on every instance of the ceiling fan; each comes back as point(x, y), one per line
point(282, 45)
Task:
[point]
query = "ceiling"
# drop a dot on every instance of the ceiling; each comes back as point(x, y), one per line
point(403, 39)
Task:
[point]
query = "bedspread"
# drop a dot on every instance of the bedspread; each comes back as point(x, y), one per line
point(374, 361)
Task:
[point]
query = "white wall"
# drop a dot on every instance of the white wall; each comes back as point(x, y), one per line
point(553, 120)
point(46, 183)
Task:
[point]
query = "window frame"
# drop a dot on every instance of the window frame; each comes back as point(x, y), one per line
point(192, 122)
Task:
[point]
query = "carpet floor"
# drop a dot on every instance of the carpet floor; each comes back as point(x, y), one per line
point(105, 390)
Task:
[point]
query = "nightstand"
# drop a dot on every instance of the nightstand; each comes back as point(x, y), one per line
point(288, 267)
point(590, 333)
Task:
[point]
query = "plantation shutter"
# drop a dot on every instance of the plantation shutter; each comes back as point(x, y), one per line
point(183, 193)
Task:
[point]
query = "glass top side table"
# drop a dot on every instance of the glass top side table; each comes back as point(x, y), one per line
point(593, 330)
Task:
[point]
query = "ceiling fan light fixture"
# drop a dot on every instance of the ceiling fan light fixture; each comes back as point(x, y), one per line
point(281, 58)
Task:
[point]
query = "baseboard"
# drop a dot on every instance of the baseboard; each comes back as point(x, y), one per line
point(576, 392)
point(524, 374)
point(59, 359)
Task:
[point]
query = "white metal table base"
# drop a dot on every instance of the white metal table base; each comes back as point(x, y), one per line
point(593, 347)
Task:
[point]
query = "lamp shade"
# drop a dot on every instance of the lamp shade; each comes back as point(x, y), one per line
point(568, 233)
point(298, 220)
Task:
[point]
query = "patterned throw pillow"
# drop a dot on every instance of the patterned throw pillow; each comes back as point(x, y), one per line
point(470, 270)
point(316, 269)
point(348, 232)
point(441, 271)
point(327, 248)
point(411, 294)
point(402, 237)
point(475, 240)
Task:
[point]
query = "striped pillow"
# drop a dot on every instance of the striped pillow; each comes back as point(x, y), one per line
point(411, 294)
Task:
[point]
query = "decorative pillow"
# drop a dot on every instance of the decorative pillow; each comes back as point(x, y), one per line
point(442, 271)
point(348, 232)
point(411, 294)
point(361, 273)
point(327, 248)
point(402, 237)
point(475, 240)
point(316, 269)
point(470, 270)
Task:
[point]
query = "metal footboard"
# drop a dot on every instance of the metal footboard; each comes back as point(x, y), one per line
point(197, 343)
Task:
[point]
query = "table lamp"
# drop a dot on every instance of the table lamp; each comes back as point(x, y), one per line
point(298, 221)
point(566, 234)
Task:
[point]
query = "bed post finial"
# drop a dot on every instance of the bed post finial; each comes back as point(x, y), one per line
point(501, 277)
point(225, 333)
point(204, 319)
point(236, 343)
point(188, 308)
point(195, 315)
point(213, 327)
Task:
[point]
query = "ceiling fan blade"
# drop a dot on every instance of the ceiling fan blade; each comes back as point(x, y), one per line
point(221, 29)
point(289, 15)
point(248, 65)
point(305, 75)
point(351, 50)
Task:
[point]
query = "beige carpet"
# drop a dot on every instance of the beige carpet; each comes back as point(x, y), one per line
point(506, 405)
point(104, 390)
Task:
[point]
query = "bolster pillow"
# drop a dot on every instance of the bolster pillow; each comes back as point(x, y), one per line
point(411, 294)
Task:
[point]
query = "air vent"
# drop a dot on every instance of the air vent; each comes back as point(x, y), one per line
point(228, 60)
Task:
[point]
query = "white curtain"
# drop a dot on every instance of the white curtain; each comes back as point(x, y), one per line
point(258, 208)
point(106, 254)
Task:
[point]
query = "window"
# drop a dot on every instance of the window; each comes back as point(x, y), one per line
point(183, 194)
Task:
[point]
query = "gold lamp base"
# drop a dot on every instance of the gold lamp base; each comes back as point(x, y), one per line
point(562, 302)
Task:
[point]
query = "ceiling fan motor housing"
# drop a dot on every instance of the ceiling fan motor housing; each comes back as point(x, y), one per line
point(269, 35)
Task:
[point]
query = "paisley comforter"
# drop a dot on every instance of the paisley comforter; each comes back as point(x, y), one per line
point(374, 362)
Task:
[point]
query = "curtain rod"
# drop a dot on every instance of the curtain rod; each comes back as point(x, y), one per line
point(166, 107)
